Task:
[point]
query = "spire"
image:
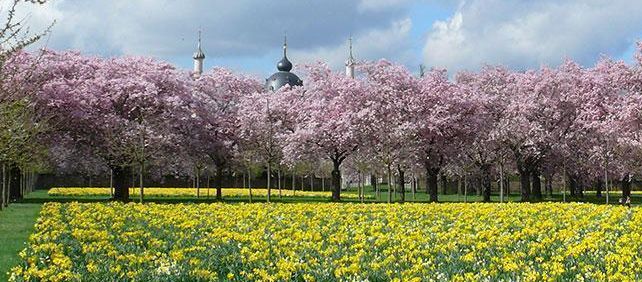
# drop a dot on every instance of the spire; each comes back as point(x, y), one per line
point(285, 45)
point(350, 57)
point(199, 57)
point(350, 63)
point(199, 52)
point(284, 64)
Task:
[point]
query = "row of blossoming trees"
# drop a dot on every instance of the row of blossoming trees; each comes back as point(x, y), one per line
point(112, 116)
point(20, 122)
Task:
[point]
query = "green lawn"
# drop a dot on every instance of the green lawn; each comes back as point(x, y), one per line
point(16, 223)
point(40, 196)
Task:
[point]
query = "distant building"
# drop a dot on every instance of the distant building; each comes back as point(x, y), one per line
point(283, 76)
point(350, 63)
point(199, 57)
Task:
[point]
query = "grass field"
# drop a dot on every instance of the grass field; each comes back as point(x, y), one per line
point(16, 223)
point(41, 196)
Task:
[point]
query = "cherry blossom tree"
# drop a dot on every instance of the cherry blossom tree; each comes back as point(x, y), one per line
point(263, 123)
point(210, 121)
point(117, 107)
point(329, 118)
point(390, 131)
point(486, 94)
point(442, 119)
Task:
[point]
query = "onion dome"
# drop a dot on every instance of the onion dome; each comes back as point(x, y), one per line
point(283, 76)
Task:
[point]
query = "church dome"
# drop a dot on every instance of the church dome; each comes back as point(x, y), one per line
point(283, 76)
point(284, 64)
point(280, 79)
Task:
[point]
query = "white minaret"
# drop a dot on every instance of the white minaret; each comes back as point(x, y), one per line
point(350, 63)
point(199, 57)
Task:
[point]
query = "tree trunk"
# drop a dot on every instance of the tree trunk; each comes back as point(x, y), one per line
point(389, 185)
point(414, 186)
point(478, 186)
point(121, 177)
point(507, 185)
point(140, 181)
point(486, 183)
point(336, 180)
point(198, 182)
point(465, 188)
point(626, 187)
point(373, 182)
point(218, 182)
point(278, 174)
point(599, 184)
point(4, 186)
point(393, 182)
point(524, 184)
point(133, 179)
point(401, 182)
point(501, 182)
point(572, 185)
point(15, 179)
point(269, 177)
point(444, 184)
point(111, 182)
point(549, 184)
point(360, 187)
point(249, 184)
point(536, 184)
point(431, 182)
point(208, 183)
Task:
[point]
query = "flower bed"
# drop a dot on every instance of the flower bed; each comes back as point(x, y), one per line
point(333, 241)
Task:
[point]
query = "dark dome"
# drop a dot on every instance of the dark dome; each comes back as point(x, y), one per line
point(284, 64)
point(281, 78)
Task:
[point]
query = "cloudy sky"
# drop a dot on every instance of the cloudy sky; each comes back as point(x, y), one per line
point(246, 35)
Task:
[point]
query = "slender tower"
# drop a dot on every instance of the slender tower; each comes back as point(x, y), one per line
point(350, 63)
point(199, 57)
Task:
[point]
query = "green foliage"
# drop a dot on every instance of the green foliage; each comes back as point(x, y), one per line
point(18, 132)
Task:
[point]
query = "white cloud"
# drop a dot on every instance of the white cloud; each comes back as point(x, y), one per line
point(230, 28)
point(526, 34)
point(392, 42)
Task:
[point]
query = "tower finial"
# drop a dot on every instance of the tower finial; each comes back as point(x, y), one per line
point(199, 56)
point(199, 52)
point(284, 64)
point(350, 43)
point(285, 43)
point(350, 62)
point(199, 37)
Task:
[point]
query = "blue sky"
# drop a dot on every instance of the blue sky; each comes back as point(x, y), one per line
point(246, 35)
